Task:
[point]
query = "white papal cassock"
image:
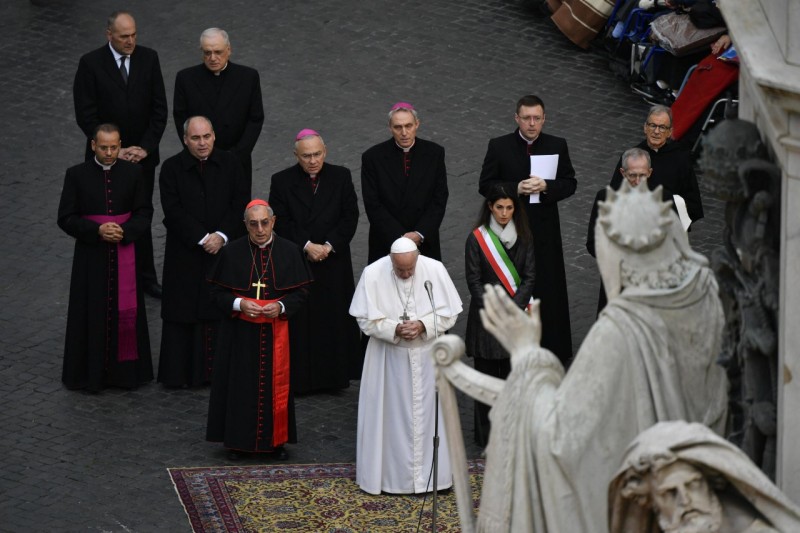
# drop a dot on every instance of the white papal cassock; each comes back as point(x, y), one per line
point(397, 398)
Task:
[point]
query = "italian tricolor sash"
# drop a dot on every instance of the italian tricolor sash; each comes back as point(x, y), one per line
point(498, 259)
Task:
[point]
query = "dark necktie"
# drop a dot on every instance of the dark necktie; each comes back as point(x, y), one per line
point(407, 163)
point(122, 69)
point(529, 148)
point(202, 166)
point(314, 183)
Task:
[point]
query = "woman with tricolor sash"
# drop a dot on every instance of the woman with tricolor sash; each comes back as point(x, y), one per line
point(499, 251)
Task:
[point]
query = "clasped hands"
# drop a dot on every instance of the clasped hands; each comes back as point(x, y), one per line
point(532, 185)
point(110, 232)
point(318, 252)
point(271, 310)
point(134, 154)
point(213, 243)
point(409, 329)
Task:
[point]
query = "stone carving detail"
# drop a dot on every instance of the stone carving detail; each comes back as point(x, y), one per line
point(651, 356)
point(678, 477)
point(746, 267)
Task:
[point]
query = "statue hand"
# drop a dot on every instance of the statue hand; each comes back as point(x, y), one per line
point(516, 330)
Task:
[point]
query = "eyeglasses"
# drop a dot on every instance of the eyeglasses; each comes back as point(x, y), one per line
point(531, 118)
point(256, 223)
point(634, 176)
point(660, 127)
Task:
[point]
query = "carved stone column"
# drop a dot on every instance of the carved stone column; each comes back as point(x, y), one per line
point(764, 33)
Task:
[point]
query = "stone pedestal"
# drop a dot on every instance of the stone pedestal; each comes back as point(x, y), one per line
point(763, 32)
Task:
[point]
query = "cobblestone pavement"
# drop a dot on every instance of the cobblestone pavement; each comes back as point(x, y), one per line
point(78, 462)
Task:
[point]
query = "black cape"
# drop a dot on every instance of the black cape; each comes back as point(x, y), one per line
point(240, 406)
point(90, 345)
point(325, 338)
point(507, 163)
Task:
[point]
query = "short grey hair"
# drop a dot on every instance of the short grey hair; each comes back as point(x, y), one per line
point(304, 137)
point(213, 32)
point(188, 120)
point(635, 153)
point(408, 109)
point(270, 212)
point(659, 109)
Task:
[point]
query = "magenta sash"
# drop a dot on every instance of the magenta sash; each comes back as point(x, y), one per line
point(127, 348)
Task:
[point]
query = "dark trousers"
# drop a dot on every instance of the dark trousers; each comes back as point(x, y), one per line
point(499, 368)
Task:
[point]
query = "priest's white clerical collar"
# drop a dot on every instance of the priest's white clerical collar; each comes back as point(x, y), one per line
point(525, 138)
point(262, 246)
point(105, 167)
point(217, 73)
point(406, 149)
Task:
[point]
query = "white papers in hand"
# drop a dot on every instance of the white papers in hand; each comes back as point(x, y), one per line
point(545, 167)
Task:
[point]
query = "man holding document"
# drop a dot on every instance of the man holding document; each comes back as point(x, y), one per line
point(538, 166)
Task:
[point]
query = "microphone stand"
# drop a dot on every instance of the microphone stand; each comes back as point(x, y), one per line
point(429, 289)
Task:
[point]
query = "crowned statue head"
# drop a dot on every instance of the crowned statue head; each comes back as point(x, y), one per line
point(640, 242)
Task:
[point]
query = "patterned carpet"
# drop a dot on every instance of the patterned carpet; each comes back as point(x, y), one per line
point(321, 497)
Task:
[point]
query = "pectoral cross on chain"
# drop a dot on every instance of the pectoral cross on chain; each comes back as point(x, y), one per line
point(258, 285)
point(404, 316)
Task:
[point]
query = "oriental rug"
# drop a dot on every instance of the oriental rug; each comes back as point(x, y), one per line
point(318, 497)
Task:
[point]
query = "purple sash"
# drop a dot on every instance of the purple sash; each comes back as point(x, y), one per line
point(127, 349)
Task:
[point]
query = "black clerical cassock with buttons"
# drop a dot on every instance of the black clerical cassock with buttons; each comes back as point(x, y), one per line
point(251, 407)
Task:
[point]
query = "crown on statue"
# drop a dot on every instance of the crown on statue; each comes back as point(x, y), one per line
point(635, 217)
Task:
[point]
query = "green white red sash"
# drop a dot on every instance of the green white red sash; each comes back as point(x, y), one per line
point(503, 268)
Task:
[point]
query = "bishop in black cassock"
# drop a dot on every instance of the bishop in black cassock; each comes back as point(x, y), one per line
point(105, 206)
point(317, 209)
point(404, 185)
point(203, 193)
point(507, 162)
point(259, 282)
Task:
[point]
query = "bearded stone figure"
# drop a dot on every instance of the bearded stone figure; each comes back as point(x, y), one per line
point(678, 477)
point(651, 356)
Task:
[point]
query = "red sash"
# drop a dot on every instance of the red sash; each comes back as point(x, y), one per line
point(280, 370)
point(127, 348)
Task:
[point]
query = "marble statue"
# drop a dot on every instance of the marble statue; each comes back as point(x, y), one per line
point(557, 438)
point(678, 477)
point(746, 266)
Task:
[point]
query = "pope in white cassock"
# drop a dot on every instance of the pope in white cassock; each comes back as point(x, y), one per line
point(397, 399)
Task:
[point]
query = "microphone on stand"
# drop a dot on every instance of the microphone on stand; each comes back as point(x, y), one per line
point(429, 290)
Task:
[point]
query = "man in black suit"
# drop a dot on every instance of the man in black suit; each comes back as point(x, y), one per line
point(508, 163)
point(203, 193)
point(317, 208)
point(229, 95)
point(121, 83)
point(404, 184)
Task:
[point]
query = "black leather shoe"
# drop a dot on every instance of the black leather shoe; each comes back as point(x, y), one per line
point(153, 289)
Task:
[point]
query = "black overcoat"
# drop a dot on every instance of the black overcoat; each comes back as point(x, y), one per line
point(674, 170)
point(90, 344)
point(138, 108)
point(396, 203)
point(232, 102)
point(507, 162)
point(196, 204)
point(478, 272)
point(324, 337)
